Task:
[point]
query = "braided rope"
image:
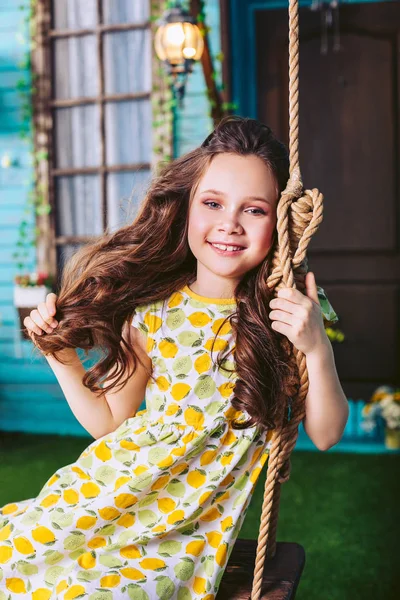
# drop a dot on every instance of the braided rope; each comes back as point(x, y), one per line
point(299, 215)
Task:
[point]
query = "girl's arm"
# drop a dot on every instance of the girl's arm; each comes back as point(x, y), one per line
point(100, 415)
point(327, 408)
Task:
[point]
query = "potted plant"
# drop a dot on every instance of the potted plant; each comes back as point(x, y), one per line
point(384, 404)
point(29, 290)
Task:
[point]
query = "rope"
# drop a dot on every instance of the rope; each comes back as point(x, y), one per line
point(299, 215)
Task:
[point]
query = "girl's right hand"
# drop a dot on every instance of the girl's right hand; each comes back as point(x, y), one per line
point(41, 319)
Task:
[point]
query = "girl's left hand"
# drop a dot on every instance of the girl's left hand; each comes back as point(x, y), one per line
point(299, 316)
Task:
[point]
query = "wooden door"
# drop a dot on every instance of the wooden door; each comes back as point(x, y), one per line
point(349, 150)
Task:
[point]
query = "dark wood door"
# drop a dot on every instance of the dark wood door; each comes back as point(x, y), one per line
point(349, 150)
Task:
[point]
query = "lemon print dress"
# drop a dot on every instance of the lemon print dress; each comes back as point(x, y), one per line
point(152, 510)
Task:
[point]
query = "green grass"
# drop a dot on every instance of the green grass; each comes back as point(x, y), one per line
point(342, 508)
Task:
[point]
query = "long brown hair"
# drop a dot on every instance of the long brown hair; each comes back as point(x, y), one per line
point(149, 259)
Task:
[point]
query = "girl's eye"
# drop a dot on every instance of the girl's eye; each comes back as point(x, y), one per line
point(259, 210)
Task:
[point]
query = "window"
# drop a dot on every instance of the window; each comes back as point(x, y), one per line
point(96, 68)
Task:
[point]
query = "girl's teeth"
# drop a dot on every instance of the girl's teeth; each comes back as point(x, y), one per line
point(226, 247)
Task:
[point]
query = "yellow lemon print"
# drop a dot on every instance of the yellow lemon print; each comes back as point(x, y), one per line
point(196, 547)
point(194, 417)
point(180, 391)
point(103, 452)
point(196, 478)
point(168, 348)
point(227, 524)
point(221, 554)
point(172, 409)
point(110, 581)
point(87, 560)
point(50, 500)
point(178, 469)
point(175, 300)
point(166, 505)
point(175, 517)
point(254, 475)
point(71, 496)
point(52, 479)
point(162, 383)
point(228, 479)
point(90, 490)
point(86, 522)
point(214, 538)
point(61, 586)
point(120, 481)
point(153, 322)
point(5, 532)
point(80, 473)
point(199, 585)
point(41, 594)
point(199, 319)
point(151, 342)
point(160, 483)
point(131, 573)
point(97, 542)
point(165, 462)
point(228, 438)
point(5, 554)
point(204, 497)
point(226, 389)
point(219, 344)
point(74, 591)
point(16, 585)
point(108, 513)
point(226, 328)
point(23, 545)
point(226, 458)
point(202, 363)
point(212, 514)
point(125, 500)
point(9, 508)
point(140, 469)
point(126, 520)
point(152, 563)
point(208, 456)
point(43, 535)
point(128, 445)
point(131, 551)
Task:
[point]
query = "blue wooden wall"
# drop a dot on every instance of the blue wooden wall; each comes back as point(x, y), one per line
point(31, 399)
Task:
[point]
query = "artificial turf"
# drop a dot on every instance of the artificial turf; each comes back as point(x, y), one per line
point(342, 508)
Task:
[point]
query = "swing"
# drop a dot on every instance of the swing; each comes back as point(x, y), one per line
point(299, 214)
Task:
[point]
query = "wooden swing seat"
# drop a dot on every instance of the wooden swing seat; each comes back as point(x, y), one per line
point(281, 573)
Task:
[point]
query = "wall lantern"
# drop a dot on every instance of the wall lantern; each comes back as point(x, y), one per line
point(178, 42)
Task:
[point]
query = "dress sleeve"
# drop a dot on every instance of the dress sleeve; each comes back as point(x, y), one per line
point(328, 312)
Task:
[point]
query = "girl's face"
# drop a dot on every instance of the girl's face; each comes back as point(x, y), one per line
point(235, 203)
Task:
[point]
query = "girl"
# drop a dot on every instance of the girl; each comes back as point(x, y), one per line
point(178, 302)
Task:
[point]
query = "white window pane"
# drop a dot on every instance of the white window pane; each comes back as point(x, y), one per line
point(128, 131)
point(77, 137)
point(127, 61)
point(78, 210)
point(126, 11)
point(125, 192)
point(74, 14)
point(76, 71)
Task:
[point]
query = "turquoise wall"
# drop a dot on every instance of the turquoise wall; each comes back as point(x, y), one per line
point(31, 399)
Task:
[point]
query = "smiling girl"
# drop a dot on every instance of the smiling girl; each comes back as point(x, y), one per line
point(178, 303)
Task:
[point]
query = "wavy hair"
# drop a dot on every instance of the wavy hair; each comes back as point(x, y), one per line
point(149, 259)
